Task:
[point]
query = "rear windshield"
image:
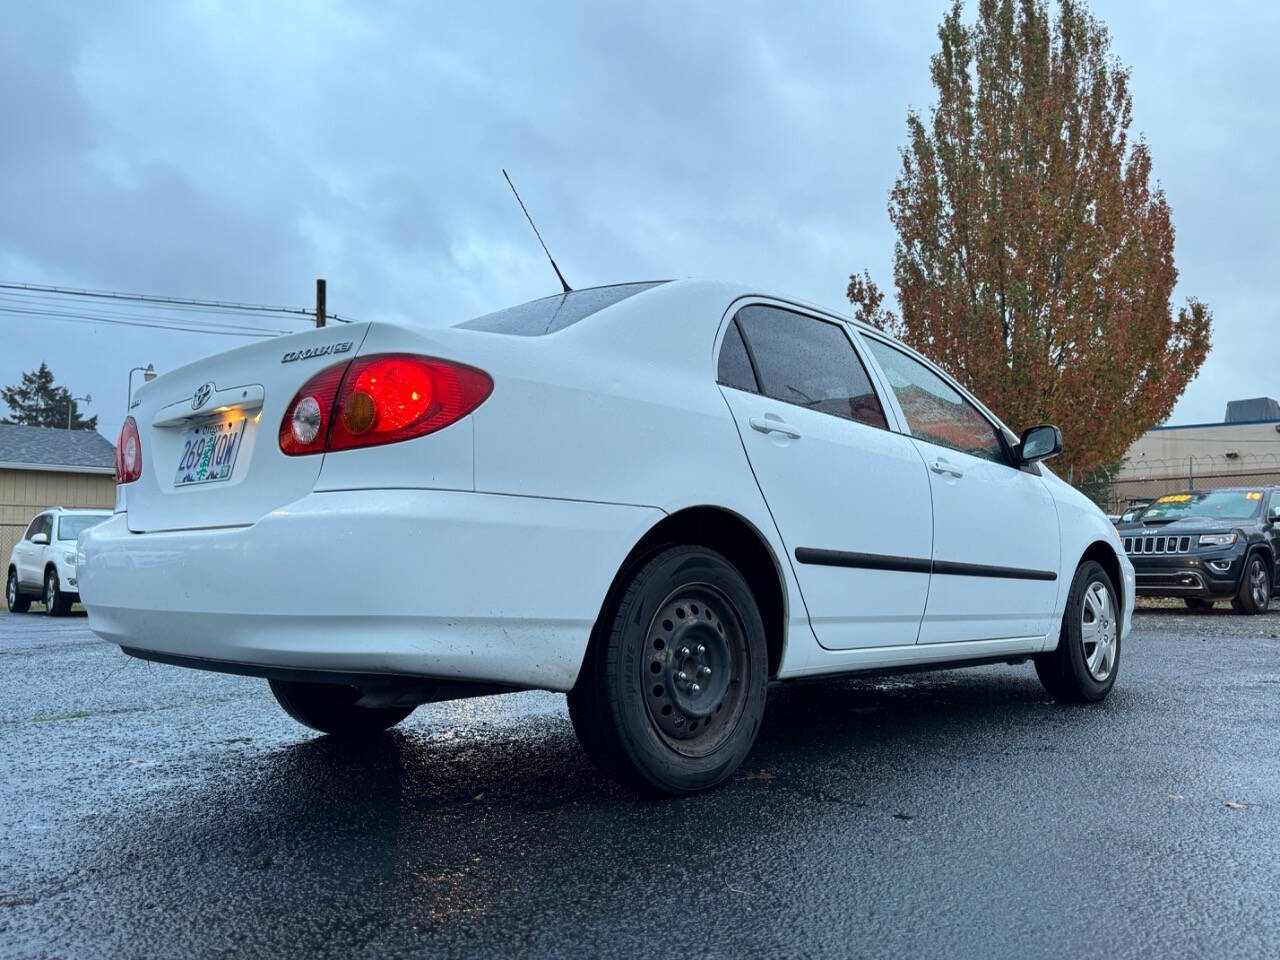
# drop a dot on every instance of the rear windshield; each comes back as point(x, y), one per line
point(1221, 504)
point(70, 528)
point(539, 317)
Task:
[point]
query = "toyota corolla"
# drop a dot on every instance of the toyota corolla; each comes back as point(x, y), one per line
point(656, 497)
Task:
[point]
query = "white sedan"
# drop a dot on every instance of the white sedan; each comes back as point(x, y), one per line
point(656, 497)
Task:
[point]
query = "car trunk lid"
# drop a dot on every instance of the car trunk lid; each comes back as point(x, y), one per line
point(210, 450)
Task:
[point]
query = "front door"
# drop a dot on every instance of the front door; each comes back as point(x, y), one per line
point(850, 497)
point(996, 546)
point(27, 556)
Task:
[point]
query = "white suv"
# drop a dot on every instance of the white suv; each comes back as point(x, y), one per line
point(43, 563)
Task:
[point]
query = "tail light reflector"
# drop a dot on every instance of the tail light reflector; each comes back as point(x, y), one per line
point(383, 398)
point(128, 453)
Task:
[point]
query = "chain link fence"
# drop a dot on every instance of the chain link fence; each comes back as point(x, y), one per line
point(1115, 491)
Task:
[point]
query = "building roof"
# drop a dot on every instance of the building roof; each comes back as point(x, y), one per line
point(48, 448)
point(1259, 408)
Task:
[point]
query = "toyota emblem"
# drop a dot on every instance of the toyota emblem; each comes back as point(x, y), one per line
point(202, 395)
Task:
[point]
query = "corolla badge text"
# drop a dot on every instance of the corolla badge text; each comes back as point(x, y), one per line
point(322, 351)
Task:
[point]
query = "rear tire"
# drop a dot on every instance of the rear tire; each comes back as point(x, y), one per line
point(1196, 603)
point(1083, 669)
point(13, 597)
point(56, 603)
point(331, 708)
point(1254, 595)
point(672, 693)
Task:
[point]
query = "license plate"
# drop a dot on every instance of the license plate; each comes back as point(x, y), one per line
point(209, 452)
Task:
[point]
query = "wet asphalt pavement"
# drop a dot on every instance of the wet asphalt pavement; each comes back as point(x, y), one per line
point(146, 810)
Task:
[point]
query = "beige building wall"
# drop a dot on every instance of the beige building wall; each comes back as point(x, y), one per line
point(1206, 450)
point(24, 493)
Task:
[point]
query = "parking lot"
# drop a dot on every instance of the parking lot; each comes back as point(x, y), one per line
point(150, 811)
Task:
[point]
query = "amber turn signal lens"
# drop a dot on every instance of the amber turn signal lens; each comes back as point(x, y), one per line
point(359, 412)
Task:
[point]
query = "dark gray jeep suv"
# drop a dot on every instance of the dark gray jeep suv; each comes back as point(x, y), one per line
point(1207, 545)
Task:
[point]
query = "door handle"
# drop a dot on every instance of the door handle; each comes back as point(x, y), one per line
point(772, 423)
point(945, 466)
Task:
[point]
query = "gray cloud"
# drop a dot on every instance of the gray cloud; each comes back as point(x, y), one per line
point(240, 150)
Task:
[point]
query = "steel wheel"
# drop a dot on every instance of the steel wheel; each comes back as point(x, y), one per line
point(1098, 631)
point(673, 690)
point(693, 670)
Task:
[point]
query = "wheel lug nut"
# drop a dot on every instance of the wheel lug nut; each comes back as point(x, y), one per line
point(696, 688)
point(701, 649)
point(681, 676)
point(704, 672)
point(684, 651)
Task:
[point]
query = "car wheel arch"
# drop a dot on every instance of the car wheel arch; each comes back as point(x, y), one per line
point(729, 534)
point(1105, 555)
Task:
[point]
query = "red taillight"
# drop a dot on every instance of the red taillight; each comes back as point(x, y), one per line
point(379, 399)
point(128, 453)
point(306, 420)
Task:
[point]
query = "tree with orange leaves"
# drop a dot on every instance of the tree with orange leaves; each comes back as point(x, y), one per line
point(1034, 258)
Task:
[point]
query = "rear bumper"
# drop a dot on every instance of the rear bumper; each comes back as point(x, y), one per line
point(434, 584)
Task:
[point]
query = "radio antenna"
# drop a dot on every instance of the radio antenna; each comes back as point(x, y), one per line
point(567, 288)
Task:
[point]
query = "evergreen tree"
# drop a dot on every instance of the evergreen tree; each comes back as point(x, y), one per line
point(38, 402)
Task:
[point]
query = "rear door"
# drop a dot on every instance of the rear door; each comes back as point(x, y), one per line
point(996, 549)
point(849, 496)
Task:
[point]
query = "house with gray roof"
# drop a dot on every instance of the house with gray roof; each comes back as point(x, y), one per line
point(43, 467)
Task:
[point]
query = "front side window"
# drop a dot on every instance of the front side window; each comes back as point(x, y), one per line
point(935, 411)
point(810, 363)
point(41, 524)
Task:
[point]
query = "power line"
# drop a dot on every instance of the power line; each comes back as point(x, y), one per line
point(108, 309)
point(54, 311)
point(220, 305)
point(94, 318)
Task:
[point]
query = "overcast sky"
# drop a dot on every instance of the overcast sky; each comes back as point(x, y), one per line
point(238, 151)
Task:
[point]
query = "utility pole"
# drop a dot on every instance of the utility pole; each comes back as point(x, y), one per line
point(320, 296)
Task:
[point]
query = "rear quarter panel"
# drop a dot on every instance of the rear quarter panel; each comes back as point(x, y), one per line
point(623, 407)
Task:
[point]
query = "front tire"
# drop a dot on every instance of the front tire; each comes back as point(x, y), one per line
point(56, 603)
point(13, 597)
point(1254, 595)
point(1083, 669)
point(672, 693)
point(331, 708)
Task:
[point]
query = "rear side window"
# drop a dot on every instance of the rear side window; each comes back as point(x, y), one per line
point(935, 412)
point(540, 317)
point(735, 366)
point(810, 363)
